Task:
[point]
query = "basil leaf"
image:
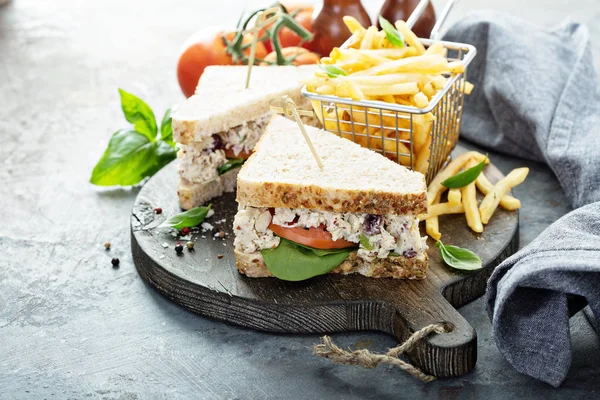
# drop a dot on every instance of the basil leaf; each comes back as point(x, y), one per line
point(129, 158)
point(188, 219)
point(459, 258)
point(365, 242)
point(139, 114)
point(166, 128)
point(230, 164)
point(333, 71)
point(391, 32)
point(462, 179)
point(292, 262)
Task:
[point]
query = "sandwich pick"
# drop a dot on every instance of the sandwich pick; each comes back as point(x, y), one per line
point(288, 107)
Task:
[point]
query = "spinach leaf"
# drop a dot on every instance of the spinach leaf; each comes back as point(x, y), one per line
point(139, 114)
point(459, 258)
point(292, 262)
point(391, 33)
point(333, 71)
point(365, 242)
point(462, 179)
point(166, 128)
point(321, 252)
point(188, 219)
point(129, 158)
point(230, 164)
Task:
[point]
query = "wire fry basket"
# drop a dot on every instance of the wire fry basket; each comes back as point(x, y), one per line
point(418, 138)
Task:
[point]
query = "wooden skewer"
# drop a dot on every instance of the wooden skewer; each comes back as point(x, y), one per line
point(289, 108)
point(260, 22)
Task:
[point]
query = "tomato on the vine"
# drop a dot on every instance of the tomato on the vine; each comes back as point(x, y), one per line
point(206, 48)
point(300, 55)
point(286, 36)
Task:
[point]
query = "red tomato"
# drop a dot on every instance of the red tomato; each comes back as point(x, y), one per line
point(230, 154)
point(303, 56)
point(287, 37)
point(318, 238)
point(206, 48)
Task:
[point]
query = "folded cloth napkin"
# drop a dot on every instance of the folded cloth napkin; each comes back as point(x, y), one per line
point(537, 96)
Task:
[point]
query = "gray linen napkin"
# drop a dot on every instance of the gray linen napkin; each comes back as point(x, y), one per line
point(537, 96)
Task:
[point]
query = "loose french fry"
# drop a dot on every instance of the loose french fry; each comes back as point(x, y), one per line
point(492, 199)
point(454, 197)
point(507, 202)
point(469, 199)
point(436, 188)
point(436, 210)
point(409, 37)
point(432, 227)
point(468, 87)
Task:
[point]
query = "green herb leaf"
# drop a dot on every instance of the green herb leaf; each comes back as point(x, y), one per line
point(188, 219)
point(365, 242)
point(139, 114)
point(333, 71)
point(462, 179)
point(391, 32)
point(459, 258)
point(129, 158)
point(292, 262)
point(230, 164)
point(394, 254)
point(166, 128)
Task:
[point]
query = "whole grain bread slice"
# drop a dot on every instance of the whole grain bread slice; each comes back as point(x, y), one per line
point(253, 266)
point(221, 102)
point(283, 173)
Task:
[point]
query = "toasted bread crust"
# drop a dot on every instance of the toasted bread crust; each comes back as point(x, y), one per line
point(253, 266)
point(287, 195)
point(195, 194)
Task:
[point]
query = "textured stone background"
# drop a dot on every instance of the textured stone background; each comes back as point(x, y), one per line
point(72, 327)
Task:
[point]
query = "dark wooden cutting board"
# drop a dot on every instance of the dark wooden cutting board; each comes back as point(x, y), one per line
point(207, 282)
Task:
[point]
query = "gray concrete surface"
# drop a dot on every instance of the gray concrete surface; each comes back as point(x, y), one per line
point(72, 327)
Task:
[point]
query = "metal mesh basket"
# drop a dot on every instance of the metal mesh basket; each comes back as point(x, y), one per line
point(397, 131)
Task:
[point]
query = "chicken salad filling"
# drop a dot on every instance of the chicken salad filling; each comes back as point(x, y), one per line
point(376, 236)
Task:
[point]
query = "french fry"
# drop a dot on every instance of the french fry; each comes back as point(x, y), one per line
point(456, 67)
point(492, 199)
point(428, 90)
point(436, 48)
point(425, 64)
point(422, 164)
point(469, 199)
point(432, 227)
point(390, 79)
point(439, 82)
point(507, 202)
point(352, 24)
point(436, 188)
point(392, 54)
point(397, 89)
point(367, 42)
point(325, 89)
point(409, 37)
point(420, 100)
point(436, 210)
point(349, 89)
point(454, 197)
point(468, 87)
point(421, 129)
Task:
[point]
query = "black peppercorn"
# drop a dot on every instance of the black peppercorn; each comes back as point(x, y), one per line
point(115, 262)
point(179, 248)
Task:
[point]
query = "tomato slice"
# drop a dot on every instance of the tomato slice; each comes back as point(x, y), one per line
point(243, 154)
point(318, 237)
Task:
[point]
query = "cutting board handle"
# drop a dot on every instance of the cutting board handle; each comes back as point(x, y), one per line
point(444, 355)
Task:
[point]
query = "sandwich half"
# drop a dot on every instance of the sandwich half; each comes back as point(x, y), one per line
point(356, 215)
point(219, 125)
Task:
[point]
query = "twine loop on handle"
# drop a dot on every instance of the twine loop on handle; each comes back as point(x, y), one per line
point(366, 359)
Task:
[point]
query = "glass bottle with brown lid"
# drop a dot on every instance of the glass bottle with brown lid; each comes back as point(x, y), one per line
point(328, 26)
point(394, 10)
